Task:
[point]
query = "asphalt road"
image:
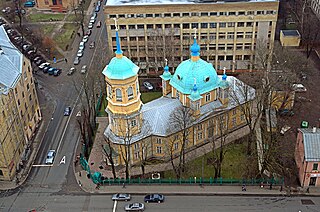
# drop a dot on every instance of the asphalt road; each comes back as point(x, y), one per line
point(55, 202)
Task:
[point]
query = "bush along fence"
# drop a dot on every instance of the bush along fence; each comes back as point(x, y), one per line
point(98, 178)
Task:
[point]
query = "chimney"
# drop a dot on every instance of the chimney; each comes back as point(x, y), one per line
point(314, 129)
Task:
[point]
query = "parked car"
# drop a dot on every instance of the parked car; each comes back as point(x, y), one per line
point(29, 4)
point(299, 88)
point(44, 65)
point(57, 72)
point(76, 61)
point(90, 26)
point(30, 52)
point(85, 38)
point(26, 47)
point(51, 71)
point(92, 45)
point(154, 198)
point(134, 207)
point(92, 20)
point(121, 197)
point(285, 112)
point(99, 3)
point(71, 71)
point(50, 156)
point(284, 129)
point(67, 111)
point(46, 69)
point(37, 58)
point(148, 85)
point(40, 61)
point(88, 32)
point(97, 9)
point(79, 53)
point(99, 24)
point(6, 10)
point(83, 69)
point(81, 45)
point(94, 15)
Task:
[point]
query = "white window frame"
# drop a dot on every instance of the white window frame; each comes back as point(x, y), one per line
point(130, 93)
point(118, 95)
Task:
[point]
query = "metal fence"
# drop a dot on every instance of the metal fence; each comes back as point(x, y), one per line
point(98, 178)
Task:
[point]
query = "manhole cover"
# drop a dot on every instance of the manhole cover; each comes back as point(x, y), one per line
point(307, 202)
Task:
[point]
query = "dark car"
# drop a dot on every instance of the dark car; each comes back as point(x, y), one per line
point(45, 69)
point(154, 198)
point(67, 111)
point(57, 72)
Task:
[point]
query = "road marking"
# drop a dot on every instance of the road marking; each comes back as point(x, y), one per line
point(114, 206)
point(63, 160)
point(42, 165)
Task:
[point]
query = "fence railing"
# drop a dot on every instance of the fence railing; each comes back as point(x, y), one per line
point(98, 178)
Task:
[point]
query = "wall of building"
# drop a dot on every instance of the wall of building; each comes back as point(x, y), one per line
point(57, 5)
point(305, 168)
point(20, 118)
point(227, 33)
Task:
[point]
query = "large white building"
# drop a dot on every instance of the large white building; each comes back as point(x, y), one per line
point(228, 31)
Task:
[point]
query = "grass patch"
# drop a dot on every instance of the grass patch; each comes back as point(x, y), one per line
point(71, 17)
point(233, 165)
point(48, 29)
point(149, 96)
point(41, 17)
point(66, 35)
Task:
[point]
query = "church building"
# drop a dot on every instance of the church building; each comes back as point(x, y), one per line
point(197, 106)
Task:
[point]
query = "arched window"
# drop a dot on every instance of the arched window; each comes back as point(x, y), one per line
point(118, 95)
point(130, 93)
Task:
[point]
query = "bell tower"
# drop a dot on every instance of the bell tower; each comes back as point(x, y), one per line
point(123, 93)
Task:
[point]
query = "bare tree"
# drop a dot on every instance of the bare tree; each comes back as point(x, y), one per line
point(80, 13)
point(218, 150)
point(162, 44)
point(180, 126)
point(143, 153)
point(110, 154)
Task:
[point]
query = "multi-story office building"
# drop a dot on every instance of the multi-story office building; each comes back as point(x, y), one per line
point(19, 107)
point(228, 31)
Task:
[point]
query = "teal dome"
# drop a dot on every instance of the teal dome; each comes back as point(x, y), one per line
point(195, 48)
point(195, 95)
point(200, 71)
point(224, 83)
point(120, 68)
point(166, 74)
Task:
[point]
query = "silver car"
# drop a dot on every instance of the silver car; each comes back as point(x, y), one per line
point(76, 61)
point(134, 207)
point(121, 197)
point(50, 156)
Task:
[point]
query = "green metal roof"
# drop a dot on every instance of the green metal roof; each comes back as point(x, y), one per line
point(120, 68)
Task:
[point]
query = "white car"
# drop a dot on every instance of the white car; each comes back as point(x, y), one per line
point(299, 88)
point(90, 26)
point(50, 156)
point(83, 69)
point(76, 61)
point(137, 206)
point(80, 53)
point(92, 20)
point(148, 85)
point(121, 197)
point(44, 65)
point(81, 45)
point(85, 38)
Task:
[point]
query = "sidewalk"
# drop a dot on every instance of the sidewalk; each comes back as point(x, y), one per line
point(188, 190)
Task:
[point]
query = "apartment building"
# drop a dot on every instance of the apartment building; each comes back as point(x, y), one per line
point(307, 156)
point(228, 31)
point(19, 108)
point(315, 5)
point(57, 5)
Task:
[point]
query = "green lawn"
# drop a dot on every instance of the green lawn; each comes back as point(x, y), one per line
point(41, 17)
point(233, 166)
point(149, 96)
point(71, 17)
point(48, 29)
point(65, 38)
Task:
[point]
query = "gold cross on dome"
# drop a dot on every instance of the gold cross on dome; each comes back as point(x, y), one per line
point(165, 59)
point(224, 70)
point(116, 23)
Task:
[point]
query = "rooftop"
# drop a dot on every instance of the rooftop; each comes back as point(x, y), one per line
point(157, 112)
point(157, 2)
point(10, 63)
point(290, 32)
point(311, 142)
